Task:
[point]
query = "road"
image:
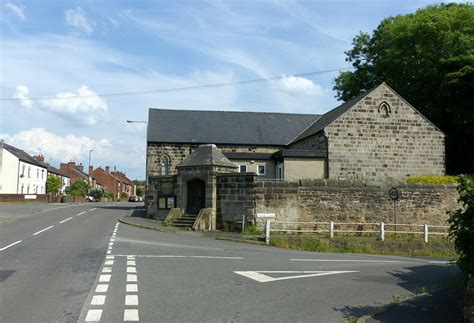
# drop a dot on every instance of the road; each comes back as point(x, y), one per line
point(91, 268)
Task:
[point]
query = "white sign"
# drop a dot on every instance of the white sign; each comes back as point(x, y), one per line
point(30, 197)
point(265, 215)
point(262, 278)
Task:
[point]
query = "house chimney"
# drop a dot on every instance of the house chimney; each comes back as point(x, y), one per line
point(91, 169)
point(107, 169)
point(80, 167)
point(39, 158)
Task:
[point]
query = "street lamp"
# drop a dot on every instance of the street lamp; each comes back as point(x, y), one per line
point(146, 160)
point(89, 168)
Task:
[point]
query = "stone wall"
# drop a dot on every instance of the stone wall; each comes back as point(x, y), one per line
point(235, 199)
point(348, 201)
point(370, 142)
point(178, 152)
point(296, 168)
point(316, 142)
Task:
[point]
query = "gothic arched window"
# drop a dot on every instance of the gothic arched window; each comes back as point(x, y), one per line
point(165, 164)
point(385, 109)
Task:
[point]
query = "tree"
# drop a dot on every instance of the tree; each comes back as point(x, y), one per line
point(96, 193)
point(79, 188)
point(53, 185)
point(139, 191)
point(461, 228)
point(428, 58)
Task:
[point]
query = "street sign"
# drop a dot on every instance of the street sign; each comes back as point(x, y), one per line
point(394, 193)
point(266, 215)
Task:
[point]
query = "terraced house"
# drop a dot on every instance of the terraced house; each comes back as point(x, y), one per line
point(377, 135)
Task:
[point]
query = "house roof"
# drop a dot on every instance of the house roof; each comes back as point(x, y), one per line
point(23, 156)
point(226, 127)
point(330, 116)
point(54, 170)
point(207, 155)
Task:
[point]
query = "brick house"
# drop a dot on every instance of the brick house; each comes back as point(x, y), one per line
point(115, 181)
point(128, 185)
point(76, 173)
point(375, 136)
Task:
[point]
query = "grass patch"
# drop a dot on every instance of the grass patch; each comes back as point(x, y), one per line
point(411, 245)
point(433, 179)
point(252, 231)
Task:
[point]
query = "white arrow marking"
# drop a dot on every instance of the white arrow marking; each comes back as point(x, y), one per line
point(262, 278)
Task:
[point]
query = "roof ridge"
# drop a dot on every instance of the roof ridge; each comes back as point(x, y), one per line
point(235, 111)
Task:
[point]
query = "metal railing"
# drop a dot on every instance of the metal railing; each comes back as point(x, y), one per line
point(332, 228)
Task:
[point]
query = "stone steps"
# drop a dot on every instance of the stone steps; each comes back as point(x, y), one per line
point(186, 221)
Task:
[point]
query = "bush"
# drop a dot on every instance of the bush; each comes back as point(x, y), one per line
point(432, 179)
point(96, 193)
point(124, 195)
point(79, 188)
point(462, 226)
point(53, 185)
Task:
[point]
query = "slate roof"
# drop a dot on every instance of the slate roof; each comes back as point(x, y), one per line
point(23, 156)
point(226, 127)
point(207, 155)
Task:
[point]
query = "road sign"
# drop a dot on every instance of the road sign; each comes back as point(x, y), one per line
point(394, 193)
point(261, 276)
point(266, 215)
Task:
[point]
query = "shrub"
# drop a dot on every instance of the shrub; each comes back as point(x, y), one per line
point(79, 188)
point(462, 226)
point(96, 193)
point(124, 195)
point(432, 179)
point(53, 185)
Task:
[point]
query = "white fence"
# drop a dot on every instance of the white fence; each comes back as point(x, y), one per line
point(332, 228)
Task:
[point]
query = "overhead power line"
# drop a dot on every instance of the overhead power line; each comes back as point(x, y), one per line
point(177, 89)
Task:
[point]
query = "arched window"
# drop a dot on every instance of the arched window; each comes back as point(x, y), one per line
point(385, 109)
point(165, 164)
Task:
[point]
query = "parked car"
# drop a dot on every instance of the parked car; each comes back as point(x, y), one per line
point(133, 198)
point(90, 199)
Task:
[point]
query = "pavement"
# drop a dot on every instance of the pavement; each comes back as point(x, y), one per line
point(80, 263)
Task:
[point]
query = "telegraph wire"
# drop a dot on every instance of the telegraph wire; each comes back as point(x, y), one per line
point(178, 89)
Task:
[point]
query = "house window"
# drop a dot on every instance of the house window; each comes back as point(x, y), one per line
point(22, 188)
point(243, 168)
point(279, 170)
point(37, 173)
point(29, 171)
point(28, 189)
point(23, 171)
point(165, 163)
point(42, 174)
point(261, 170)
point(385, 109)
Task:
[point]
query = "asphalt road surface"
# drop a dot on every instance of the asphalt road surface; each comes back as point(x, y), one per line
point(77, 263)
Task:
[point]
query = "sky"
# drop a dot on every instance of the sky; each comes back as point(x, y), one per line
point(55, 56)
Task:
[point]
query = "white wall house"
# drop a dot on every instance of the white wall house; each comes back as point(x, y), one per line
point(20, 173)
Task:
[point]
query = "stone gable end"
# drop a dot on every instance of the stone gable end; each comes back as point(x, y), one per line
point(382, 136)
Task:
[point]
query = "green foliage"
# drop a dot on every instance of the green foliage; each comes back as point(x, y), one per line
point(96, 193)
point(124, 195)
point(252, 231)
point(53, 185)
point(428, 57)
point(110, 194)
point(432, 179)
point(79, 188)
point(462, 226)
point(139, 191)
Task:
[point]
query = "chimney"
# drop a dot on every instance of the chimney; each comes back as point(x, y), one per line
point(80, 167)
point(107, 169)
point(39, 158)
point(91, 169)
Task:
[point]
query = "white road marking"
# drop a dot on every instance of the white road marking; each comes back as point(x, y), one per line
point(262, 278)
point(347, 260)
point(111, 243)
point(104, 278)
point(98, 300)
point(11, 245)
point(130, 315)
point(112, 239)
point(131, 299)
point(93, 315)
point(109, 263)
point(131, 263)
point(102, 288)
point(131, 257)
point(109, 252)
point(132, 288)
point(109, 257)
point(107, 269)
point(441, 262)
point(65, 220)
point(80, 213)
point(36, 233)
point(93, 209)
point(132, 278)
point(131, 270)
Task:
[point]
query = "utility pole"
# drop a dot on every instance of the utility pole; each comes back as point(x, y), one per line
point(89, 167)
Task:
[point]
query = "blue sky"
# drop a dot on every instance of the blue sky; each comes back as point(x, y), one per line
point(81, 48)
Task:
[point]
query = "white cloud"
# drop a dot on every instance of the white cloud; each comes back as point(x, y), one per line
point(83, 106)
point(56, 147)
point(16, 9)
point(78, 18)
point(22, 94)
point(300, 85)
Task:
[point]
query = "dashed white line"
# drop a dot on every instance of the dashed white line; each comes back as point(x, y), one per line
point(131, 263)
point(36, 233)
point(65, 220)
point(11, 245)
point(98, 300)
point(108, 263)
point(102, 288)
point(104, 278)
point(132, 288)
point(132, 270)
point(130, 315)
point(80, 213)
point(132, 278)
point(109, 257)
point(107, 269)
point(132, 257)
point(131, 300)
point(93, 209)
point(93, 315)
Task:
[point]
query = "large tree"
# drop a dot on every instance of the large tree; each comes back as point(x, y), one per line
point(428, 58)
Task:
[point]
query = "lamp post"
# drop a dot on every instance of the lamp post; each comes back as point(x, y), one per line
point(146, 160)
point(89, 167)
